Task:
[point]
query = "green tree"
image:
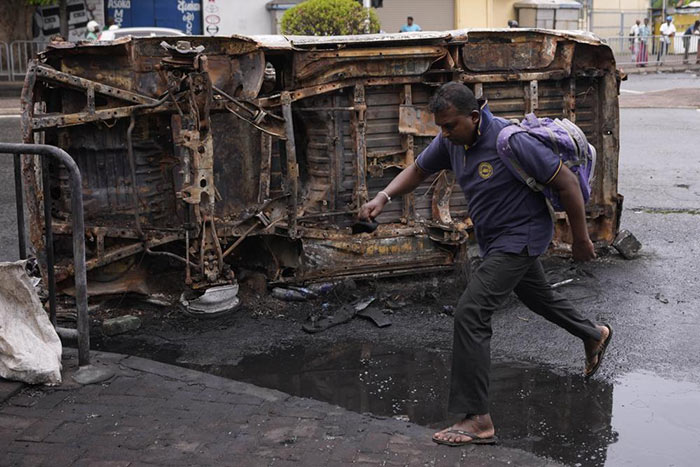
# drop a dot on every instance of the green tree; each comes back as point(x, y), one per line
point(329, 18)
point(62, 9)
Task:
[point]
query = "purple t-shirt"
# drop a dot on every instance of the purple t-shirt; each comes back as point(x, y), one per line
point(508, 216)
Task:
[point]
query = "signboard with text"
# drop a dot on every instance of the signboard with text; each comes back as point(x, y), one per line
point(185, 15)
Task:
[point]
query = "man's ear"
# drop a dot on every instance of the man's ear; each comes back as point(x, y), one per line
point(475, 116)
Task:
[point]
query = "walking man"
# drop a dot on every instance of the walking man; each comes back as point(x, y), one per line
point(513, 228)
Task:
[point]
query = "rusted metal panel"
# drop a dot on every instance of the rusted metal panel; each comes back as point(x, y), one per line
point(232, 153)
point(417, 120)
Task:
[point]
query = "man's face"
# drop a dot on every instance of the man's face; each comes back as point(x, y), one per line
point(458, 128)
point(646, 22)
point(637, 22)
point(409, 21)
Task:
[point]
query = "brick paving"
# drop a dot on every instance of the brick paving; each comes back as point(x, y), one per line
point(151, 413)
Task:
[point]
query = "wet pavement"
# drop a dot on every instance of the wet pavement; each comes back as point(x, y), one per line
point(153, 414)
point(539, 409)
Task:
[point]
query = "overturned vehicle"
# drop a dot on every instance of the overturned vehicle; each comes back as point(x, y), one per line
point(223, 155)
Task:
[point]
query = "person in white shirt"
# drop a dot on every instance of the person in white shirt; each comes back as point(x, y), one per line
point(634, 38)
point(668, 30)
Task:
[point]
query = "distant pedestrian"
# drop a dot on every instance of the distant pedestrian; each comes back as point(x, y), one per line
point(693, 30)
point(642, 57)
point(93, 28)
point(668, 31)
point(410, 26)
point(108, 24)
point(634, 38)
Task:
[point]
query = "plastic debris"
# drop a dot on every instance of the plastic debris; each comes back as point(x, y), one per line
point(289, 295)
point(30, 349)
point(214, 302)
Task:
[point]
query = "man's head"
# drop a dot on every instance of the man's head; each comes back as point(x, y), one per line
point(669, 19)
point(638, 22)
point(456, 112)
point(409, 20)
point(646, 21)
point(696, 25)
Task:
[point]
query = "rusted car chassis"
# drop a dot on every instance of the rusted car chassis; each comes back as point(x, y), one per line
point(223, 154)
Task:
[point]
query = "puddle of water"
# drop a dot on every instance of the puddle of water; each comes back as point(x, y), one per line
point(649, 421)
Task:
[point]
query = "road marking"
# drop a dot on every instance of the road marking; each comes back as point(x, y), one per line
point(10, 116)
point(631, 91)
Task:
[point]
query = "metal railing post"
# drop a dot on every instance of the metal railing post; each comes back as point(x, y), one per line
point(76, 185)
point(20, 53)
point(5, 60)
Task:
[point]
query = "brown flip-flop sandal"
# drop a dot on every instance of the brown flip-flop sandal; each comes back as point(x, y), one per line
point(474, 439)
point(600, 354)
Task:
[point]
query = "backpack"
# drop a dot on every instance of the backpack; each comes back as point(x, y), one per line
point(566, 140)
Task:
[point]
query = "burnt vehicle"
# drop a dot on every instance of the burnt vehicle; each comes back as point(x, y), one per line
point(222, 154)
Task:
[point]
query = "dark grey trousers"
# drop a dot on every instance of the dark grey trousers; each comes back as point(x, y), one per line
point(492, 282)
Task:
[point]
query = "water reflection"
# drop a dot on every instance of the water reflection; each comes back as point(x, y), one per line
point(551, 414)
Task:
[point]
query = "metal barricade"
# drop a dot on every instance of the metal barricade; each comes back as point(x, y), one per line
point(654, 50)
point(83, 327)
point(20, 54)
point(4, 61)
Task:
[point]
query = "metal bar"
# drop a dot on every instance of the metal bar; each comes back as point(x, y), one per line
point(19, 202)
point(265, 164)
point(359, 123)
point(338, 155)
point(292, 166)
point(409, 200)
point(41, 122)
point(274, 101)
point(76, 186)
point(531, 96)
point(46, 182)
point(59, 77)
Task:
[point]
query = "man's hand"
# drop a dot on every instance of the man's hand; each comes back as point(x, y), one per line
point(372, 209)
point(566, 182)
point(583, 250)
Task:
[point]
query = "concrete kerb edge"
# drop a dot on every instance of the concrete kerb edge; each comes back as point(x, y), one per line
point(634, 70)
point(193, 376)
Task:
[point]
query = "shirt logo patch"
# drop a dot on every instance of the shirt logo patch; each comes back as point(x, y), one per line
point(485, 170)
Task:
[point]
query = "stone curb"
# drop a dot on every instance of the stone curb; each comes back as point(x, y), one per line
point(633, 70)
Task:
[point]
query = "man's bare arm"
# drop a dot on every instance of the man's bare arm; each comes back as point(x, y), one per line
point(571, 198)
point(405, 182)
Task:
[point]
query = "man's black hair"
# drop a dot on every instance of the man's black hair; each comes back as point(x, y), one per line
point(409, 17)
point(455, 95)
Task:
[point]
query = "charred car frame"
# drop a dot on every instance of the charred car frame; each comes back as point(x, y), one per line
point(257, 152)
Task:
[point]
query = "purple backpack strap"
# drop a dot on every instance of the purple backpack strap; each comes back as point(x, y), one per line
point(505, 153)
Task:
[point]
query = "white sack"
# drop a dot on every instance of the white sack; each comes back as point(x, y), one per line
point(30, 349)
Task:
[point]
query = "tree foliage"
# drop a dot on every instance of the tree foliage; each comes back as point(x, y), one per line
point(328, 18)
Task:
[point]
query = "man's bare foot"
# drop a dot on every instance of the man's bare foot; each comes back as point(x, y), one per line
point(479, 425)
point(593, 348)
